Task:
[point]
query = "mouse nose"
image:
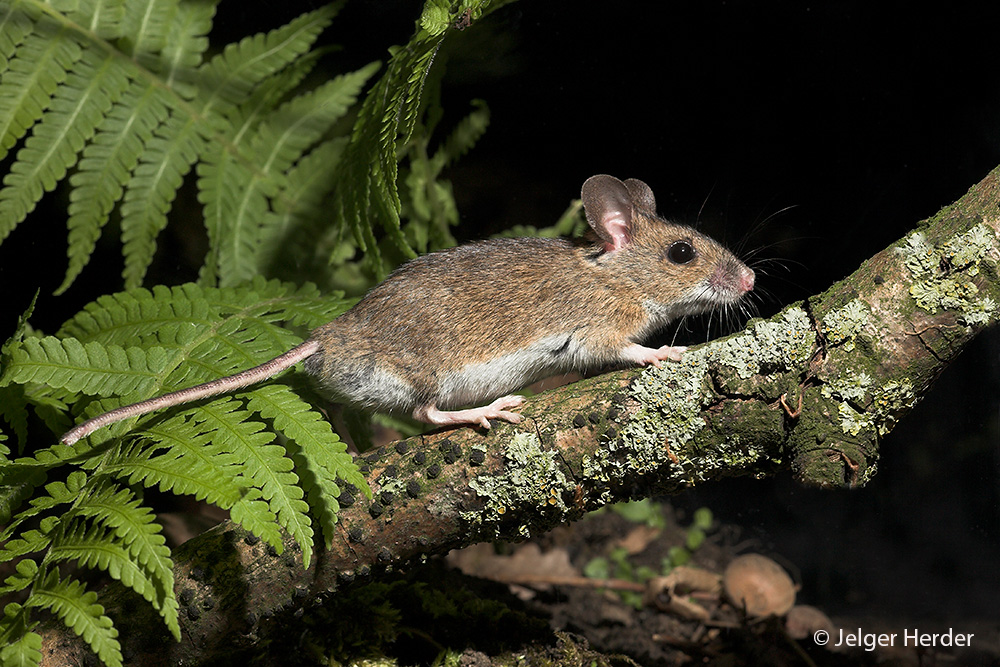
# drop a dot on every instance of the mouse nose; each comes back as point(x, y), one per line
point(747, 278)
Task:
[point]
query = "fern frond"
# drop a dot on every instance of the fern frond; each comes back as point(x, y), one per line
point(23, 576)
point(19, 646)
point(31, 79)
point(78, 608)
point(255, 516)
point(103, 171)
point(30, 541)
point(27, 88)
point(384, 124)
point(77, 107)
point(233, 73)
point(379, 124)
point(193, 464)
point(147, 28)
point(167, 158)
point(279, 141)
point(213, 167)
point(299, 218)
point(146, 568)
point(89, 368)
point(59, 493)
point(321, 456)
point(14, 28)
point(104, 17)
point(264, 465)
point(119, 93)
point(185, 44)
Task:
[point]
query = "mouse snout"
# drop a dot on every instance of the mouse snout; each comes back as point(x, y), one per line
point(746, 279)
point(732, 279)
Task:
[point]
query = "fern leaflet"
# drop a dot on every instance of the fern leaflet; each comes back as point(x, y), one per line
point(265, 466)
point(144, 564)
point(78, 608)
point(323, 458)
point(76, 109)
point(89, 368)
point(19, 646)
point(188, 466)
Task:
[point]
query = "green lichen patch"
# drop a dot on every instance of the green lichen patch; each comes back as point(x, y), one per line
point(865, 407)
point(769, 346)
point(967, 250)
point(851, 386)
point(943, 274)
point(844, 325)
point(918, 255)
point(531, 478)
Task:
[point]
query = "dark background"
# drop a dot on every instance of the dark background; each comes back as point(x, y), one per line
point(815, 133)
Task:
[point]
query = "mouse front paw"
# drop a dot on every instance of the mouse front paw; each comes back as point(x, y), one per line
point(642, 355)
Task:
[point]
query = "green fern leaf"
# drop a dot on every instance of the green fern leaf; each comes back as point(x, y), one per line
point(14, 28)
point(384, 122)
point(139, 316)
point(321, 456)
point(146, 30)
point(103, 18)
point(103, 171)
point(59, 493)
point(185, 44)
point(241, 66)
point(298, 223)
point(30, 541)
point(255, 515)
point(167, 158)
point(24, 576)
point(78, 608)
point(32, 78)
point(77, 106)
point(19, 646)
point(189, 467)
point(264, 465)
point(277, 144)
point(150, 572)
point(205, 333)
point(89, 368)
point(27, 88)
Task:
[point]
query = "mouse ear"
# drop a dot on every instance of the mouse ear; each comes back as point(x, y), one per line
point(642, 195)
point(608, 205)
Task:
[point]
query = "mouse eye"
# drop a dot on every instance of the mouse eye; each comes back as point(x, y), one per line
point(680, 252)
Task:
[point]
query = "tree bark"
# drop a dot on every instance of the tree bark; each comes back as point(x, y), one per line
point(812, 389)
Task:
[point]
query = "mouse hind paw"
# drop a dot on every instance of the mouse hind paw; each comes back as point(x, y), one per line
point(498, 409)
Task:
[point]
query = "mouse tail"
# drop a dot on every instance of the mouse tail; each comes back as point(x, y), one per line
point(212, 388)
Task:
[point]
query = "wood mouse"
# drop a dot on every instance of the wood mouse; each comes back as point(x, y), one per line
point(466, 325)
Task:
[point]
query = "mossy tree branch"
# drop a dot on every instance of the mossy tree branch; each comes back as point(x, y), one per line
point(812, 389)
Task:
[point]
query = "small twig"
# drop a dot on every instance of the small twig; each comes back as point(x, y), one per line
point(798, 408)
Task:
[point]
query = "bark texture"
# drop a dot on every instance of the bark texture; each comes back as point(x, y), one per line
point(812, 389)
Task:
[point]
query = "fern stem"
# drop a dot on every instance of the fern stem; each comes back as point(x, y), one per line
point(204, 390)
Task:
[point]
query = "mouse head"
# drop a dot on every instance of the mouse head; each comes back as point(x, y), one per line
point(679, 269)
